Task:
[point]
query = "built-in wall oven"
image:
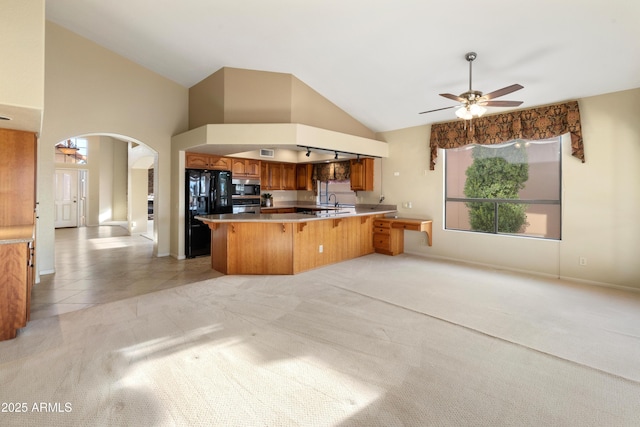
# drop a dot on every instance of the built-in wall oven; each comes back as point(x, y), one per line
point(245, 195)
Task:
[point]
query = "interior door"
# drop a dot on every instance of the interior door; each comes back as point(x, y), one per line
point(66, 202)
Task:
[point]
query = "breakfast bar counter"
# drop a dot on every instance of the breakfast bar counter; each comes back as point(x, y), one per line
point(290, 243)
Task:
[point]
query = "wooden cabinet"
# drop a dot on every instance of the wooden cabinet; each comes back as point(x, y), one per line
point(268, 247)
point(16, 282)
point(270, 176)
point(388, 233)
point(245, 168)
point(387, 240)
point(18, 177)
point(207, 161)
point(362, 175)
point(288, 176)
point(304, 174)
point(277, 176)
point(17, 224)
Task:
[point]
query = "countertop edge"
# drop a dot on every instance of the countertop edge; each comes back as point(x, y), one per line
point(286, 217)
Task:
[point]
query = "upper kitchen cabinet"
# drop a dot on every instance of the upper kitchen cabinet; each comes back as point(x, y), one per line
point(362, 175)
point(304, 174)
point(271, 176)
point(277, 176)
point(206, 161)
point(18, 178)
point(288, 176)
point(245, 168)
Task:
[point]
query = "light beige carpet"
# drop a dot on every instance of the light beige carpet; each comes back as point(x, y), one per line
point(376, 341)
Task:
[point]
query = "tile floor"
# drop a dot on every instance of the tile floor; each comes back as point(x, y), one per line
point(96, 265)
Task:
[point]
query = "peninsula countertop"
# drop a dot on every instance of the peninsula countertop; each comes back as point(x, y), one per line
point(325, 213)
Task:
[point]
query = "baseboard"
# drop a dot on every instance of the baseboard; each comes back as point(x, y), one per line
point(531, 272)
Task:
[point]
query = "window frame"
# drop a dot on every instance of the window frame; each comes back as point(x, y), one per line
point(497, 201)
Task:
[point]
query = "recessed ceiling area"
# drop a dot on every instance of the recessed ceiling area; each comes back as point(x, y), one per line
point(382, 62)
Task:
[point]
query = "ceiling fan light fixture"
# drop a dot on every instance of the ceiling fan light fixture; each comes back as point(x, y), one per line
point(477, 110)
point(464, 113)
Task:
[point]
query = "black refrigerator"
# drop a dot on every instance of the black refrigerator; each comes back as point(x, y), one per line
point(207, 192)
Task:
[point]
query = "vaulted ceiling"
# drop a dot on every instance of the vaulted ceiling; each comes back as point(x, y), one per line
point(381, 61)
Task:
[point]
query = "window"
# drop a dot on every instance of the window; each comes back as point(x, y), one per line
point(341, 190)
point(72, 150)
point(512, 188)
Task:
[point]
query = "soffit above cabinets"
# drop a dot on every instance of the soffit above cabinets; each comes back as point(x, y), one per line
point(233, 139)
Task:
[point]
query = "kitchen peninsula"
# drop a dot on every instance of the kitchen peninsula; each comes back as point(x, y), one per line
point(290, 243)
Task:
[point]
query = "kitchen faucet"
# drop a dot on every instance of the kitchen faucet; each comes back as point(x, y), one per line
point(335, 198)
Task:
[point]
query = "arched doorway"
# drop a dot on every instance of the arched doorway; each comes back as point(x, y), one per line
point(106, 179)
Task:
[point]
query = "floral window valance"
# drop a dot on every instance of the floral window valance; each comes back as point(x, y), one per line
point(535, 123)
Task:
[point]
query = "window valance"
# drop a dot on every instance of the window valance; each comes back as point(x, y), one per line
point(536, 123)
point(335, 171)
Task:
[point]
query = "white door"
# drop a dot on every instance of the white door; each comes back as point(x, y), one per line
point(66, 202)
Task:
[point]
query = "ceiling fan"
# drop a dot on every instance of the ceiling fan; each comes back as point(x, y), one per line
point(473, 102)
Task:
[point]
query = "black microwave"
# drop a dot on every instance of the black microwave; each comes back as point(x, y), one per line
point(245, 187)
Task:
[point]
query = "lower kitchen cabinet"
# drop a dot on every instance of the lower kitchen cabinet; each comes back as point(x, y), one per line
point(16, 282)
point(387, 240)
point(270, 247)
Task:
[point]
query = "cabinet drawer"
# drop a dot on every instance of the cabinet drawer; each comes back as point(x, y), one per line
point(381, 241)
point(379, 223)
point(412, 226)
point(382, 230)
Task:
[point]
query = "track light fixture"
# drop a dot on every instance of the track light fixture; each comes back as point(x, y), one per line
point(335, 152)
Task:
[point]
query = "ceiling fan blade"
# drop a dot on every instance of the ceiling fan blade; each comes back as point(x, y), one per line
point(438, 109)
point(451, 96)
point(504, 91)
point(501, 103)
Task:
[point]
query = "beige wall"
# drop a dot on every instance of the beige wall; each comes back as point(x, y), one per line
point(311, 108)
point(22, 45)
point(234, 95)
point(206, 101)
point(600, 201)
point(90, 90)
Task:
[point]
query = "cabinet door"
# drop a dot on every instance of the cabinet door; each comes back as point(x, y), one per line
point(220, 163)
point(252, 168)
point(275, 176)
point(288, 176)
point(303, 177)
point(362, 175)
point(265, 184)
point(18, 178)
point(238, 167)
point(196, 160)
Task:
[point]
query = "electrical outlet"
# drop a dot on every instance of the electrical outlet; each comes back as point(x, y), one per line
point(381, 198)
point(583, 261)
point(320, 249)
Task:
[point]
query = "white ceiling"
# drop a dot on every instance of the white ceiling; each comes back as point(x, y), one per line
point(381, 61)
